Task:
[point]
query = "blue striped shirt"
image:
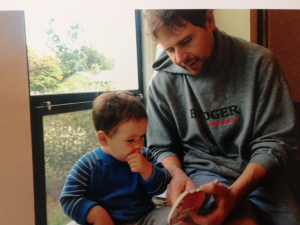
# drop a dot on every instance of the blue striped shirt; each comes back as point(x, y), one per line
point(100, 179)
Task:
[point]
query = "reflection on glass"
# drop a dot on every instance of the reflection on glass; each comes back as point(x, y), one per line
point(67, 137)
point(81, 50)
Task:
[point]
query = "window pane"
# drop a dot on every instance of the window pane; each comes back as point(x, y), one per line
point(81, 50)
point(67, 137)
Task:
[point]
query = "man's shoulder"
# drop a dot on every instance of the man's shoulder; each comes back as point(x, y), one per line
point(250, 48)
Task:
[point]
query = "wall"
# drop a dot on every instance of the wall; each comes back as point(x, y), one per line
point(16, 177)
point(235, 22)
point(283, 40)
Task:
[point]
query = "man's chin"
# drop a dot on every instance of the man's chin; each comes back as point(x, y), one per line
point(196, 72)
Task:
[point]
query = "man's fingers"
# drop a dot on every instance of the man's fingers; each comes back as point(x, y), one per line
point(210, 188)
point(172, 195)
point(190, 186)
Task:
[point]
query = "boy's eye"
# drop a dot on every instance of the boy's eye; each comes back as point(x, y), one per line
point(131, 140)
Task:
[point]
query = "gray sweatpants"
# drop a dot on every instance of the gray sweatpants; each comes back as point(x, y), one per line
point(157, 216)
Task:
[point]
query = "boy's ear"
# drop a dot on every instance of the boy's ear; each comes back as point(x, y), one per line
point(210, 20)
point(102, 137)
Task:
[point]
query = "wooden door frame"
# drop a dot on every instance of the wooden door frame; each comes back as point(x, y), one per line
point(259, 26)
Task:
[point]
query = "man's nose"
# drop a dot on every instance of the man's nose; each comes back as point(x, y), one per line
point(180, 56)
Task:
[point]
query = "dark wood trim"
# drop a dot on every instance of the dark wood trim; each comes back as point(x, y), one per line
point(253, 25)
point(259, 26)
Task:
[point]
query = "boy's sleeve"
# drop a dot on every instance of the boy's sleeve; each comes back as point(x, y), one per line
point(160, 178)
point(73, 198)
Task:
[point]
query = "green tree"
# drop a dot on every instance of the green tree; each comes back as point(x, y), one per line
point(94, 57)
point(45, 73)
point(52, 73)
point(66, 43)
point(74, 56)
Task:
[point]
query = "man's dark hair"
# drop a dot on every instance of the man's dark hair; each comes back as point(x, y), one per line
point(170, 19)
point(114, 108)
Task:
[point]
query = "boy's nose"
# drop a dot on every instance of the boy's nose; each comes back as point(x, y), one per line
point(138, 146)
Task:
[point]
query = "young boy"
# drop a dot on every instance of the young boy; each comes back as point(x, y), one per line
point(114, 183)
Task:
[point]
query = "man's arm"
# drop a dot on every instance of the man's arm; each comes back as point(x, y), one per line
point(180, 181)
point(251, 178)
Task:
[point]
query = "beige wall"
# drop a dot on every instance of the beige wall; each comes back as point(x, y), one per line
point(235, 22)
point(16, 177)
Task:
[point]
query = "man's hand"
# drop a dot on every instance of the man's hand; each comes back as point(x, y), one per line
point(225, 201)
point(180, 181)
point(139, 164)
point(98, 216)
point(227, 198)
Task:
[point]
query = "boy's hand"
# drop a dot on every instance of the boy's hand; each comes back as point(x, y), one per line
point(98, 216)
point(139, 164)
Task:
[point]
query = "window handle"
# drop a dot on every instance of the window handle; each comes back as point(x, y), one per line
point(47, 104)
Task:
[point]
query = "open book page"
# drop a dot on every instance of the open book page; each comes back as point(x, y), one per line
point(188, 200)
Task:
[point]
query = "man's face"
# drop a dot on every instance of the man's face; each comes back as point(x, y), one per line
point(190, 47)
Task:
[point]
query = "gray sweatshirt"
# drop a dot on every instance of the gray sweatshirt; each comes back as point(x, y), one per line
point(236, 112)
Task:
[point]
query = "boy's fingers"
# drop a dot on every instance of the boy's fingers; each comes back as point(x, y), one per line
point(132, 155)
point(130, 160)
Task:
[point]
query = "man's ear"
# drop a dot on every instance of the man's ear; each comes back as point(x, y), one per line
point(210, 20)
point(102, 137)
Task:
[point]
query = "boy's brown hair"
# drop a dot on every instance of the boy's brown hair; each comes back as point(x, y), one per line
point(114, 108)
point(170, 19)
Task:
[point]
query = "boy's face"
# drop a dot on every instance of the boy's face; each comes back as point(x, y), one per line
point(190, 47)
point(127, 139)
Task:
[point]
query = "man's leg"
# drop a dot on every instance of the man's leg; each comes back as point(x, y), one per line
point(275, 204)
point(243, 213)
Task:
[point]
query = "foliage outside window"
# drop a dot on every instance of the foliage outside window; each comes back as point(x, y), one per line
point(77, 52)
point(67, 137)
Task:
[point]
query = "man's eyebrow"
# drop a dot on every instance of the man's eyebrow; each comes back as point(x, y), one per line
point(168, 49)
point(186, 38)
point(182, 40)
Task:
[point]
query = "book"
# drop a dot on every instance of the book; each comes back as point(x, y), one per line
point(187, 201)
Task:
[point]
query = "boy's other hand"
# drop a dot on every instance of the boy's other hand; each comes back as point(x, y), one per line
point(139, 164)
point(98, 216)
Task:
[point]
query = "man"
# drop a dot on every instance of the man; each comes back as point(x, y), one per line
point(219, 108)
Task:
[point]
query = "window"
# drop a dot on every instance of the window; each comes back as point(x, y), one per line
point(81, 51)
point(73, 56)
